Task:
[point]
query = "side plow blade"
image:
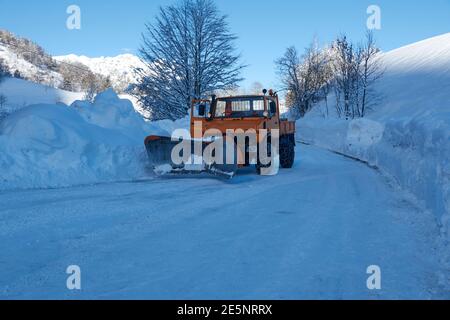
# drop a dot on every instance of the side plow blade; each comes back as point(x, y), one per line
point(160, 149)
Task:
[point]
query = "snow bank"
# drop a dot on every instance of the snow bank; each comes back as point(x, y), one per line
point(55, 145)
point(408, 135)
point(20, 93)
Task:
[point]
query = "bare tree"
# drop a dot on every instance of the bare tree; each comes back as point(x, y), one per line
point(307, 78)
point(91, 85)
point(318, 74)
point(28, 50)
point(74, 75)
point(356, 70)
point(346, 62)
point(288, 69)
point(351, 71)
point(370, 71)
point(190, 53)
point(78, 77)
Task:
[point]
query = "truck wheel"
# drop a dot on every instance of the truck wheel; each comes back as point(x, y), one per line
point(287, 153)
point(269, 153)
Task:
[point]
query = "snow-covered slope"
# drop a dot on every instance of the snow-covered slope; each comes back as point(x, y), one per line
point(408, 135)
point(119, 69)
point(417, 78)
point(28, 70)
point(429, 54)
point(20, 93)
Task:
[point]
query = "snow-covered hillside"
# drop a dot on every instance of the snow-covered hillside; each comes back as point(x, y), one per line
point(417, 79)
point(27, 70)
point(408, 135)
point(119, 69)
point(20, 93)
point(27, 60)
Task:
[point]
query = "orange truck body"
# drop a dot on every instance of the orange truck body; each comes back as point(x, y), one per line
point(287, 128)
point(258, 113)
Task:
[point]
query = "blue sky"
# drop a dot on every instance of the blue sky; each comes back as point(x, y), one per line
point(265, 28)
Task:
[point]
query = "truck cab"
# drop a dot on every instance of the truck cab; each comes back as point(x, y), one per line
point(245, 113)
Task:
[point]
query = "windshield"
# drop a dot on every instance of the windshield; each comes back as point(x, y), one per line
point(240, 107)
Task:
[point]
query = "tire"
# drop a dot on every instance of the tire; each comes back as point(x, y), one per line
point(259, 165)
point(287, 153)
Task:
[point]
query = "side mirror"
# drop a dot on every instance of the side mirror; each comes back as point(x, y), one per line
point(273, 107)
point(202, 110)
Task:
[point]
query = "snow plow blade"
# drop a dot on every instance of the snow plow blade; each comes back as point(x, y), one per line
point(159, 151)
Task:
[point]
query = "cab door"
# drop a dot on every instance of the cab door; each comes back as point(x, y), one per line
point(200, 112)
point(273, 119)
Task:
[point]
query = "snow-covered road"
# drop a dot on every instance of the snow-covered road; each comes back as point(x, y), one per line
point(310, 232)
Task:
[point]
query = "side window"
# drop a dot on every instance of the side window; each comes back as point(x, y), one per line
point(272, 107)
point(258, 105)
point(240, 106)
point(220, 109)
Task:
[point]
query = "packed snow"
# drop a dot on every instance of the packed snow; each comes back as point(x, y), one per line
point(310, 232)
point(408, 134)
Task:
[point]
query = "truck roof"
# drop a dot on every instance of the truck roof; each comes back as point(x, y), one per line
point(245, 96)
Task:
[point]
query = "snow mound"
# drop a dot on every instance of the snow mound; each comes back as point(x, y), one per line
point(110, 112)
point(48, 145)
point(165, 128)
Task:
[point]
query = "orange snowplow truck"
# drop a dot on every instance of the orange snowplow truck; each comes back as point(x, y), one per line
point(237, 114)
